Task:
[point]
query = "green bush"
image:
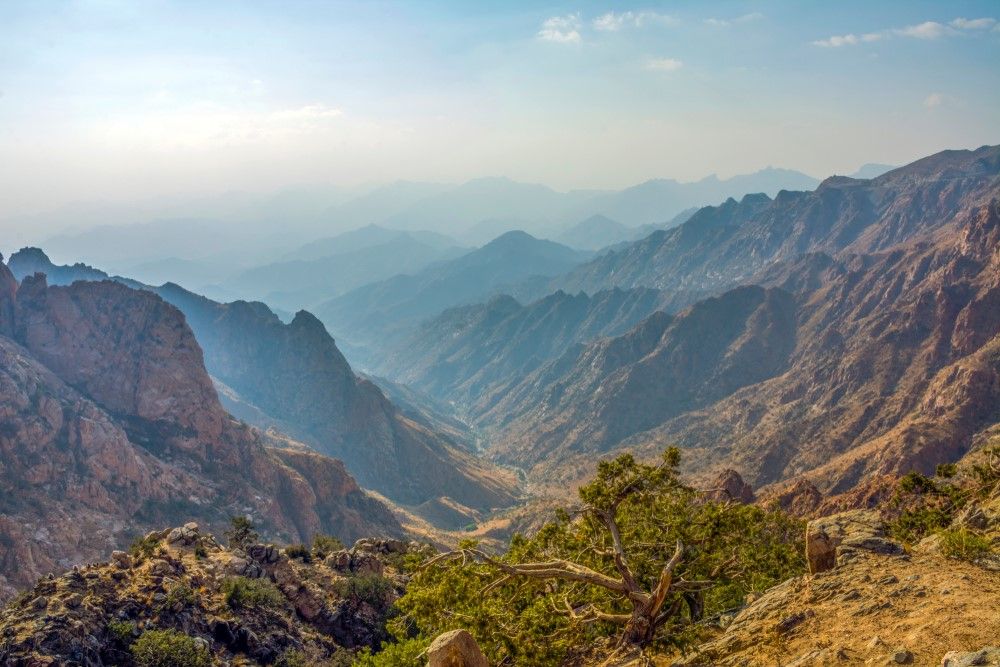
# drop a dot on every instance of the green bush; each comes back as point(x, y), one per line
point(921, 506)
point(180, 596)
point(122, 631)
point(324, 545)
point(242, 533)
point(964, 544)
point(946, 470)
point(144, 547)
point(405, 653)
point(735, 549)
point(372, 589)
point(300, 551)
point(244, 593)
point(169, 648)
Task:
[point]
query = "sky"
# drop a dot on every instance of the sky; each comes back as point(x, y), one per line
point(121, 100)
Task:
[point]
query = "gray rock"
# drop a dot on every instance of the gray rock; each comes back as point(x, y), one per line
point(989, 656)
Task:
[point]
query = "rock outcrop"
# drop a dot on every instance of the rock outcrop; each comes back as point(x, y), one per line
point(836, 537)
point(730, 487)
point(253, 605)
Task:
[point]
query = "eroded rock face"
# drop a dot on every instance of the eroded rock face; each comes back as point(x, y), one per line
point(833, 537)
point(730, 487)
point(456, 648)
point(110, 425)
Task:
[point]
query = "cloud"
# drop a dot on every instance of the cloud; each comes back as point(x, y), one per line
point(927, 30)
point(720, 23)
point(933, 100)
point(614, 21)
point(974, 24)
point(664, 64)
point(561, 29)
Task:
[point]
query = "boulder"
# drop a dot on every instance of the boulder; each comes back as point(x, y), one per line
point(455, 649)
point(989, 656)
point(730, 487)
point(836, 536)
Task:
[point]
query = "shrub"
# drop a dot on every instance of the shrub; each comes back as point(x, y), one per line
point(144, 547)
point(179, 597)
point(300, 551)
point(964, 544)
point(406, 653)
point(921, 506)
point(121, 631)
point(946, 470)
point(324, 545)
point(169, 648)
point(244, 593)
point(200, 551)
point(242, 533)
point(373, 589)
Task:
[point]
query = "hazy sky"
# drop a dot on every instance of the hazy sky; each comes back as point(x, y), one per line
point(117, 100)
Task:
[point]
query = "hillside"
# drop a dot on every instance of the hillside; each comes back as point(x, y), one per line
point(378, 314)
point(111, 426)
point(722, 246)
point(876, 359)
point(293, 377)
point(469, 355)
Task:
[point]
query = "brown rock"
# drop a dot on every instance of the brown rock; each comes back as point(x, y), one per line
point(828, 537)
point(456, 648)
point(730, 487)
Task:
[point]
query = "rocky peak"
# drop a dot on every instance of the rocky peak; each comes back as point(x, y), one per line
point(730, 487)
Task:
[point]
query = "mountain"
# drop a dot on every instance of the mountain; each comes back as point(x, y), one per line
point(375, 314)
point(865, 341)
point(366, 237)
point(470, 355)
point(293, 377)
point(110, 425)
point(596, 232)
point(871, 170)
point(657, 201)
point(296, 284)
point(721, 246)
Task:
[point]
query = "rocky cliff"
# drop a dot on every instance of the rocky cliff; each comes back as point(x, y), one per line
point(109, 424)
point(874, 359)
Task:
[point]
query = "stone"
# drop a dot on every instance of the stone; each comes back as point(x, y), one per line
point(455, 649)
point(902, 657)
point(840, 534)
point(730, 487)
point(989, 656)
point(122, 559)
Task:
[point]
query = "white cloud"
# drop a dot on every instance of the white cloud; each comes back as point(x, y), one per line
point(614, 21)
point(974, 24)
point(561, 29)
point(933, 100)
point(837, 41)
point(719, 23)
point(664, 64)
point(926, 30)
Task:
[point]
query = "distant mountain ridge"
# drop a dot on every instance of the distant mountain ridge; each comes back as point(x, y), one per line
point(377, 314)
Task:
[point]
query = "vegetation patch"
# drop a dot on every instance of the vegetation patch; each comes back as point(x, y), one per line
point(169, 648)
point(244, 593)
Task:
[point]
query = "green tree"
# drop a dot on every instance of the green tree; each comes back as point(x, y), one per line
point(242, 532)
point(641, 558)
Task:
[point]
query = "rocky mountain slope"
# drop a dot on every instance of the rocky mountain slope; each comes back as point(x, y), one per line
point(876, 359)
point(293, 377)
point(722, 246)
point(179, 592)
point(469, 355)
point(378, 314)
point(110, 425)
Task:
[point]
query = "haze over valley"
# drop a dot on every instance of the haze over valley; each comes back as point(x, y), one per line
point(429, 334)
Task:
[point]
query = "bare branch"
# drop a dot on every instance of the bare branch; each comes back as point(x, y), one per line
point(659, 594)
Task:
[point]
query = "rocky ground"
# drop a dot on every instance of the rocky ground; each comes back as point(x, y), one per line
point(284, 609)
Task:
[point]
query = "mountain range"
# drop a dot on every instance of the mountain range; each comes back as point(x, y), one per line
point(111, 425)
point(293, 377)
